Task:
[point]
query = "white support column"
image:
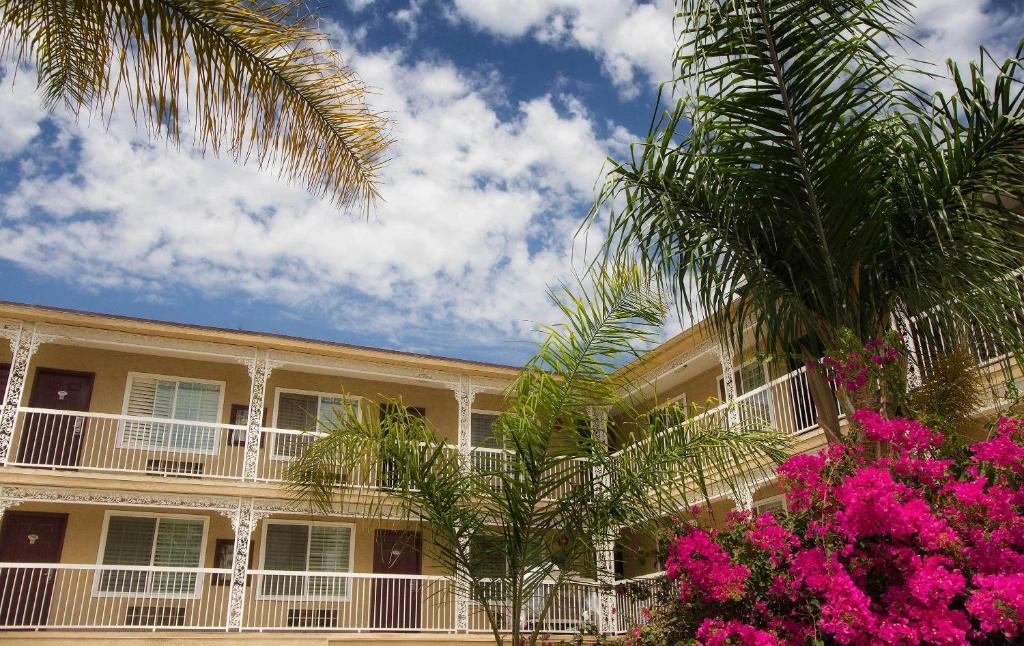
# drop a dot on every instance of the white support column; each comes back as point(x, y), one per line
point(744, 498)
point(728, 381)
point(604, 552)
point(24, 344)
point(462, 591)
point(243, 522)
point(903, 326)
point(259, 371)
point(465, 393)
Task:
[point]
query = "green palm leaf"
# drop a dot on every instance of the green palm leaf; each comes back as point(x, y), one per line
point(803, 186)
point(258, 79)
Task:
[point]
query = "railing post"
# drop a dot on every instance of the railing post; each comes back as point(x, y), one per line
point(259, 371)
point(23, 345)
point(604, 548)
point(243, 522)
point(465, 393)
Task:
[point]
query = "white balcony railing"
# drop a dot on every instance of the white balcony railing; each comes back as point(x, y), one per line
point(635, 597)
point(72, 596)
point(86, 441)
point(573, 472)
point(574, 608)
point(281, 601)
point(64, 596)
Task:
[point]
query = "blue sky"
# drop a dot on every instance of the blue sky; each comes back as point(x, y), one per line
point(504, 112)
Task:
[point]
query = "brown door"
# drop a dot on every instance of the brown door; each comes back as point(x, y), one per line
point(29, 537)
point(396, 601)
point(53, 438)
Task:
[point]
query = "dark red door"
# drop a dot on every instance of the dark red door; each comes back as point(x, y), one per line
point(396, 601)
point(29, 537)
point(55, 438)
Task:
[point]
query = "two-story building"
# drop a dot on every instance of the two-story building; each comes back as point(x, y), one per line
point(143, 463)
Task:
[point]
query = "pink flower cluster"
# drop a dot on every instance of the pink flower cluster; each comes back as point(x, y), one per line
point(701, 566)
point(905, 549)
point(853, 370)
point(714, 632)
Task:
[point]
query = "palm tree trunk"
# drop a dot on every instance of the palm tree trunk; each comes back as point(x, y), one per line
point(826, 406)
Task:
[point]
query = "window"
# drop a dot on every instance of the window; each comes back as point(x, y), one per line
point(668, 414)
point(775, 504)
point(306, 547)
point(171, 398)
point(487, 561)
point(151, 540)
point(482, 429)
point(747, 377)
point(302, 411)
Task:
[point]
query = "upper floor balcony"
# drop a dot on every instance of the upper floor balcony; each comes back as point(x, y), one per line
point(88, 402)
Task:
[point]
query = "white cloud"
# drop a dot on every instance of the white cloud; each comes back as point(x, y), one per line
point(408, 17)
point(21, 110)
point(954, 29)
point(477, 218)
point(633, 40)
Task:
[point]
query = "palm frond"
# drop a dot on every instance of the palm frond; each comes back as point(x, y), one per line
point(805, 187)
point(257, 77)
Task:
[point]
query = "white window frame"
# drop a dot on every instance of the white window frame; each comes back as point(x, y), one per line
point(200, 576)
point(720, 382)
point(770, 499)
point(352, 399)
point(347, 597)
point(119, 441)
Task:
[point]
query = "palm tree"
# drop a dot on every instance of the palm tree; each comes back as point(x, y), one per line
point(257, 77)
point(555, 492)
point(804, 186)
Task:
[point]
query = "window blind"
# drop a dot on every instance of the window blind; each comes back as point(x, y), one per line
point(487, 556)
point(148, 540)
point(329, 552)
point(129, 540)
point(482, 430)
point(306, 548)
point(297, 412)
point(286, 547)
point(751, 376)
point(171, 399)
